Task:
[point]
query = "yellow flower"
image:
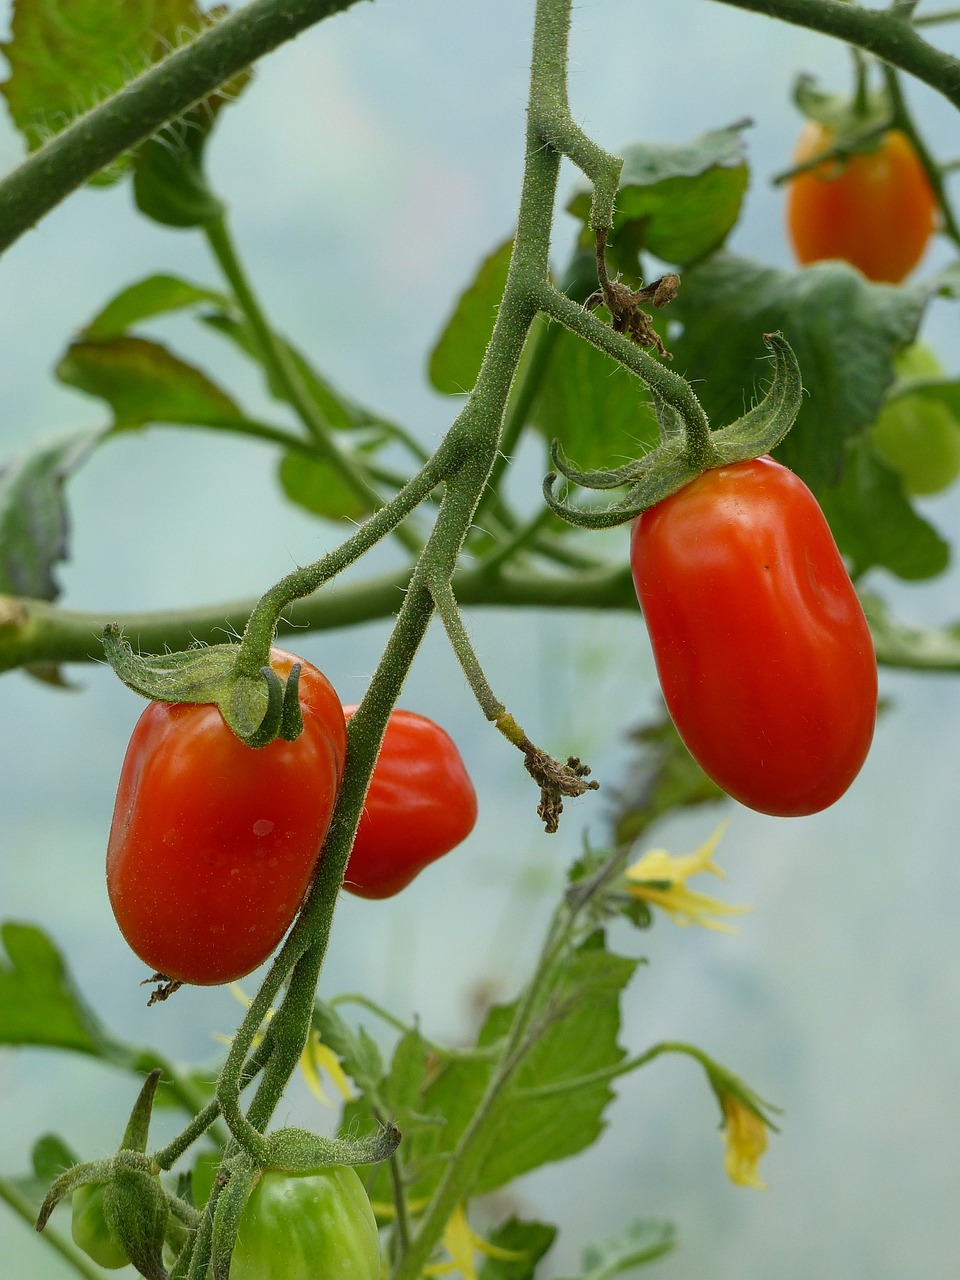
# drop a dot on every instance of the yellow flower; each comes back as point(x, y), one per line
point(745, 1131)
point(316, 1057)
point(661, 878)
point(462, 1244)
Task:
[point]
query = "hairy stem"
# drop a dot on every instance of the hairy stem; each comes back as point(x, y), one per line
point(164, 92)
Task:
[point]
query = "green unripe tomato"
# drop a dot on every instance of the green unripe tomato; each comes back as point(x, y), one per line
point(90, 1230)
point(920, 440)
point(305, 1226)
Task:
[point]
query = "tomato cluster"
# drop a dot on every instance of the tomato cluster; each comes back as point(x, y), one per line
point(763, 652)
point(213, 843)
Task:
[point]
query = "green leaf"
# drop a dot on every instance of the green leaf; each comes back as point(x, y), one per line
point(530, 1240)
point(579, 1037)
point(455, 360)
point(358, 1053)
point(66, 58)
point(144, 382)
point(645, 1240)
point(38, 1002)
point(153, 296)
point(338, 411)
point(600, 413)
point(900, 644)
point(843, 329)
point(33, 515)
point(679, 201)
point(316, 485)
point(874, 524)
point(51, 1156)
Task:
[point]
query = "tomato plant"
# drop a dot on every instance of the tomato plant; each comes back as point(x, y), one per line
point(875, 209)
point(213, 843)
point(762, 649)
point(420, 805)
point(296, 1226)
point(90, 1230)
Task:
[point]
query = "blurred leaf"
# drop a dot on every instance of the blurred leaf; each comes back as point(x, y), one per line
point(51, 1156)
point(874, 524)
point(38, 1002)
point(66, 58)
point(661, 776)
point(844, 330)
point(153, 296)
point(338, 411)
point(644, 1241)
point(33, 515)
point(579, 1037)
point(358, 1053)
point(529, 1239)
point(678, 201)
point(144, 382)
point(455, 360)
point(901, 644)
point(600, 413)
point(317, 485)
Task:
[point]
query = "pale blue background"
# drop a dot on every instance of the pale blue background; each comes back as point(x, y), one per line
point(369, 168)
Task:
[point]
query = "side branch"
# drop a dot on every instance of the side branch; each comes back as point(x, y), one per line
point(882, 32)
point(146, 103)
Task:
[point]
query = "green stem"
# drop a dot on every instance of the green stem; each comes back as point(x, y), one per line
point(19, 1203)
point(903, 120)
point(283, 372)
point(666, 385)
point(164, 92)
point(878, 31)
point(537, 1093)
point(930, 19)
point(446, 606)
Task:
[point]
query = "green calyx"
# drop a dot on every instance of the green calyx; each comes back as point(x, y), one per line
point(856, 121)
point(679, 458)
point(258, 708)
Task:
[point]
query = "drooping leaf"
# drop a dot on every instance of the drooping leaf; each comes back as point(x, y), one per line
point(455, 360)
point(337, 410)
point(874, 524)
point(579, 1037)
point(645, 1240)
point(600, 413)
point(679, 201)
point(316, 485)
point(33, 515)
point(357, 1051)
point(143, 382)
point(66, 58)
point(39, 1004)
point(843, 329)
point(154, 296)
point(529, 1240)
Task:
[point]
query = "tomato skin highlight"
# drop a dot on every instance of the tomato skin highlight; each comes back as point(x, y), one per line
point(876, 209)
point(420, 805)
point(304, 1226)
point(763, 652)
point(213, 843)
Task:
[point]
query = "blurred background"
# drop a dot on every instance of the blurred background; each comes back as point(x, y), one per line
point(379, 157)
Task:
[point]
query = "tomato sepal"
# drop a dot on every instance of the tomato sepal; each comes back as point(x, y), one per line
point(257, 708)
point(670, 466)
point(299, 1151)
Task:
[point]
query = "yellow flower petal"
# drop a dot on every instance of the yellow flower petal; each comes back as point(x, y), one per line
point(661, 878)
point(746, 1137)
point(317, 1057)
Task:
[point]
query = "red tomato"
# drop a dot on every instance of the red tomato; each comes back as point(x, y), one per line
point(420, 805)
point(214, 843)
point(763, 652)
point(876, 209)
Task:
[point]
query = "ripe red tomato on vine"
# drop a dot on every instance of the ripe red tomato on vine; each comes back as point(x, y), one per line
point(420, 805)
point(763, 652)
point(875, 209)
point(213, 843)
